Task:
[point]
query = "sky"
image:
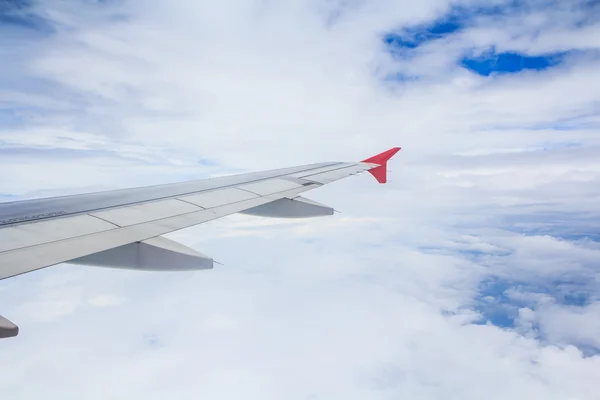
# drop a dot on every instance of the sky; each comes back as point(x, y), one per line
point(473, 273)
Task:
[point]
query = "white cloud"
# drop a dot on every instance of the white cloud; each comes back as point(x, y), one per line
point(376, 302)
point(558, 323)
point(106, 300)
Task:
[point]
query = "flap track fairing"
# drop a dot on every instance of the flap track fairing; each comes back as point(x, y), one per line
point(156, 254)
point(297, 207)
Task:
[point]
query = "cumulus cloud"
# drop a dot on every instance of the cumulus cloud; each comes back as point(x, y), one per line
point(473, 273)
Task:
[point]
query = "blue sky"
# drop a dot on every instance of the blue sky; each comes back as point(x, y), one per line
point(482, 250)
point(490, 60)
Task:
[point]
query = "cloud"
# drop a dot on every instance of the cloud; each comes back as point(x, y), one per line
point(106, 300)
point(473, 273)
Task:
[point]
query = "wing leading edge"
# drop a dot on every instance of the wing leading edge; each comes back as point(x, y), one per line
point(123, 228)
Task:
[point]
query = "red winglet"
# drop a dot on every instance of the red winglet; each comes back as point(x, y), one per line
point(380, 173)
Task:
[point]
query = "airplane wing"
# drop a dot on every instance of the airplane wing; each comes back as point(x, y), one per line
point(123, 228)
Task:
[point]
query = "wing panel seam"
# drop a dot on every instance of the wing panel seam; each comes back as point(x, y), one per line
point(190, 203)
point(97, 217)
point(248, 191)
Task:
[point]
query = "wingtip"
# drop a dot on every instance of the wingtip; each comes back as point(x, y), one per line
point(383, 157)
point(380, 172)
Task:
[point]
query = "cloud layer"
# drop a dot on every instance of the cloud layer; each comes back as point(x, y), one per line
point(473, 273)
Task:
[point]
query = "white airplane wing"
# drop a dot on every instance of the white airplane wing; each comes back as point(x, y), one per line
point(123, 228)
